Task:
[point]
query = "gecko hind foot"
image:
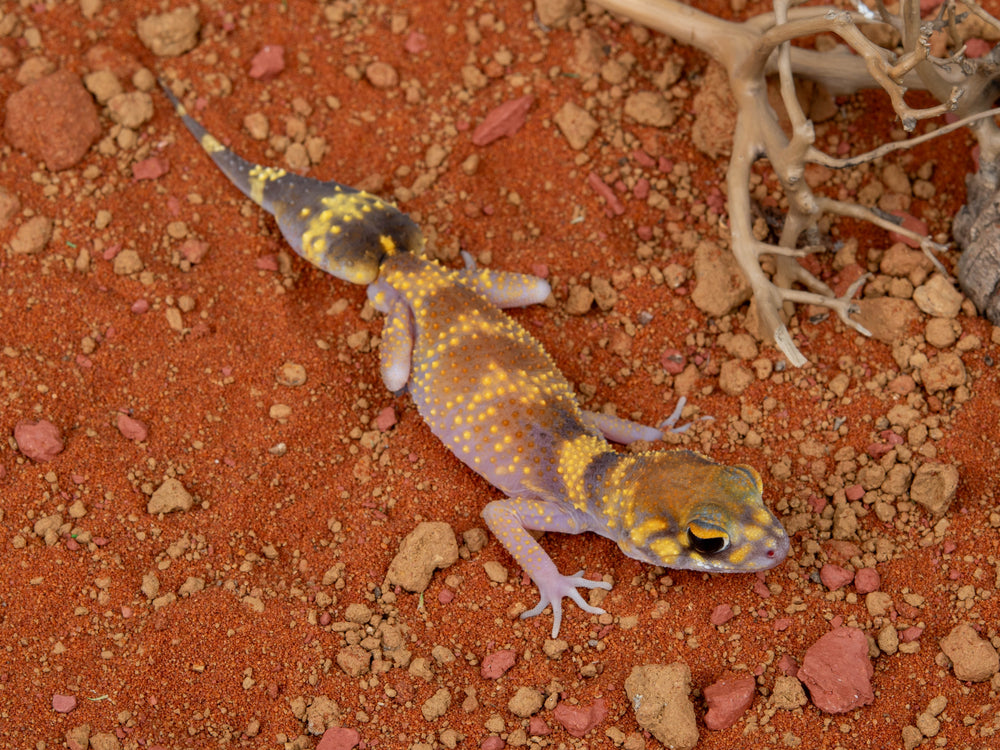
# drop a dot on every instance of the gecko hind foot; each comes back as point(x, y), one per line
point(667, 425)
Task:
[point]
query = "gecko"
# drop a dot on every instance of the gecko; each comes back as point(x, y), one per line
point(492, 394)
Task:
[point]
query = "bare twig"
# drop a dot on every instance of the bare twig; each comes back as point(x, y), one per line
point(819, 157)
point(761, 45)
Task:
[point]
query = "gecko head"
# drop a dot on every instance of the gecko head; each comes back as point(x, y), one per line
point(694, 514)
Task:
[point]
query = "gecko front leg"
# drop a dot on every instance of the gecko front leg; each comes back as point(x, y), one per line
point(509, 521)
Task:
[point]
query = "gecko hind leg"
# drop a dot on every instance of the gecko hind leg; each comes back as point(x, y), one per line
point(625, 431)
point(503, 288)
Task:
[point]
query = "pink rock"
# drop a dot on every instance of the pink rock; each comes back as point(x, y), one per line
point(911, 634)
point(787, 665)
point(339, 738)
point(496, 664)
point(40, 441)
point(834, 576)
point(716, 202)
point(673, 361)
point(912, 223)
point(760, 589)
point(63, 704)
point(892, 438)
point(385, 419)
point(267, 63)
point(728, 700)
point(722, 614)
point(504, 120)
point(837, 671)
point(877, 450)
point(538, 728)
point(854, 492)
point(977, 47)
point(54, 119)
point(132, 429)
point(140, 306)
point(643, 159)
point(492, 743)
point(415, 42)
point(847, 276)
point(867, 580)
point(578, 720)
point(615, 206)
point(447, 596)
point(151, 168)
point(266, 263)
point(193, 251)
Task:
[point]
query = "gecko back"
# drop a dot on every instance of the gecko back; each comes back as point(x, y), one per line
point(343, 231)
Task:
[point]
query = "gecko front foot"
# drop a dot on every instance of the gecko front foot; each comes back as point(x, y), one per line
point(552, 592)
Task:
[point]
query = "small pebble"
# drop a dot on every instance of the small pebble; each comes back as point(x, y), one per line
point(503, 121)
point(867, 580)
point(385, 419)
point(722, 614)
point(132, 429)
point(63, 704)
point(579, 720)
point(268, 63)
point(40, 441)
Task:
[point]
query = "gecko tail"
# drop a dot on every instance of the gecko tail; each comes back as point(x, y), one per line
point(236, 168)
point(341, 230)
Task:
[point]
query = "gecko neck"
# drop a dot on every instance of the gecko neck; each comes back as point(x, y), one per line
point(610, 492)
point(592, 471)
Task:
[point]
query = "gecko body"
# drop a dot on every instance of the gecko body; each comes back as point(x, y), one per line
point(490, 392)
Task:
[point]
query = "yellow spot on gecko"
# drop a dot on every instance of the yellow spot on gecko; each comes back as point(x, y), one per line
point(666, 549)
point(641, 532)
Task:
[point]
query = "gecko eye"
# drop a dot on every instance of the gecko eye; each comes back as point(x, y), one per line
point(706, 540)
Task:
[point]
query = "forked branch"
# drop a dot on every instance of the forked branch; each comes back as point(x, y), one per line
point(750, 50)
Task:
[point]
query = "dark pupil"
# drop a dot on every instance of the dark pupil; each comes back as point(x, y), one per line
point(706, 545)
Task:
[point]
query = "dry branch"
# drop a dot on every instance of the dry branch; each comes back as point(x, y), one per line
point(749, 51)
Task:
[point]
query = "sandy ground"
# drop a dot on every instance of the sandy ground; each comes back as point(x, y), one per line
point(156, 319)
